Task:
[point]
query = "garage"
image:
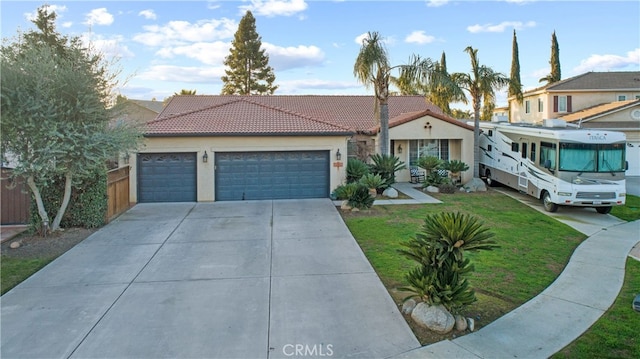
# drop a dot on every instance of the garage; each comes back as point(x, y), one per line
point(167, 177)
point(271, 175)
point(633, 158)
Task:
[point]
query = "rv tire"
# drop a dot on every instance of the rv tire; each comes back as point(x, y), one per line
point(547, 204)
point(489, 180)
point(603, 210)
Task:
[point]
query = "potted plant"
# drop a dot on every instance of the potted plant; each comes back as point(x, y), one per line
point(455, 167)
point(373, 182)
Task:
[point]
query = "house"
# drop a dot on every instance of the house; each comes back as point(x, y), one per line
point(604, 100)
point(217, 148)
point(141, 111)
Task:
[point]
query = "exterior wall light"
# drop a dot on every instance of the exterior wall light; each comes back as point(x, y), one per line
point(338, 155)
point(399, 148)
point(205, 157)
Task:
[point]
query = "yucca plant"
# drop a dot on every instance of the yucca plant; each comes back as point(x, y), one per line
point(373, 181)
point(429, 163)
point(355, 170)
point(455, 167)
point(438, 249)
point(361, 198)
point(386, 166)
point(345, 191)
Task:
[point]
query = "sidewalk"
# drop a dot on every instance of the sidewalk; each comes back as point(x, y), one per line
point(417, 196)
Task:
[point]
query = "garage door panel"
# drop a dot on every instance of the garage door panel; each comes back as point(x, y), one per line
point(272, 175)
point(167, 177)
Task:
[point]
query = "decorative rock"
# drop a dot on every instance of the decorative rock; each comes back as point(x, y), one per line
point(390, 192)
point(14, 245)
point(345, 206)
point(433, 189)
point(355, 209)
point(433, 317)
point(461, 323)
point(471, 324)
point(407, 307)
point(476, 185)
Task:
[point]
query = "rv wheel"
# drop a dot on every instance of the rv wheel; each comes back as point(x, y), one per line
point(489, 180)
point(603, 210)
point(547, 204)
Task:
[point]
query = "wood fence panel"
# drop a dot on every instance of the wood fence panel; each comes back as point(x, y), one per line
point(117, 192)
point(15, 200)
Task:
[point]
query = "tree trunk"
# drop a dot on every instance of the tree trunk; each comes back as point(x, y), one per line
point(65, 201)
point(476, 139)
point(38, 197)
point(384, 128)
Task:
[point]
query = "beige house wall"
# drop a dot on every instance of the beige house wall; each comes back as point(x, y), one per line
point(205, 171)
point(460, 142)
point(579, 101)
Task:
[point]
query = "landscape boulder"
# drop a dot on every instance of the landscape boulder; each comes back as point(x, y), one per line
point(461, 323)
point(390, 192)
point(408, 306)
point(433, 317)
point(432, 189)
point(476, 185)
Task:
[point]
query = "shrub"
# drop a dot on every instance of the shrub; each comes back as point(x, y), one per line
point(356, 169)
point(434, 179)
point(438, 250)
point(386, 166)
point(345, 191)
point(429, 163)
point(361, 199)
point(455, 166)
point(447, 188)
point(373, 181)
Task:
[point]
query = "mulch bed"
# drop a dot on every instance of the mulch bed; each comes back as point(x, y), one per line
point(35, 246)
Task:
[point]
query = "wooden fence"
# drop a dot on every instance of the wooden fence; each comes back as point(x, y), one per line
point(117, 192)
point(15, 200)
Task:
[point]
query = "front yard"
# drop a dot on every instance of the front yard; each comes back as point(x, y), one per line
point(534, 249)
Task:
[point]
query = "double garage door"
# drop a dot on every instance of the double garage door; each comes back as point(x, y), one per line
point(172, 177)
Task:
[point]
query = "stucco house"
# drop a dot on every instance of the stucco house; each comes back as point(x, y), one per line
point(217, 148)
point(604, 100)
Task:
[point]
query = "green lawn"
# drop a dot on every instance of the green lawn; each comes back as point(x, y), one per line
point(534, 249)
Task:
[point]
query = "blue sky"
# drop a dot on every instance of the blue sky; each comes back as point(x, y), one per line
point(166, 46)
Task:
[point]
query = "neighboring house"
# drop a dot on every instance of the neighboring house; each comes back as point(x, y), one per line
point(215, 148)
point(500, 114)
point(141, 111)
point(604, 100)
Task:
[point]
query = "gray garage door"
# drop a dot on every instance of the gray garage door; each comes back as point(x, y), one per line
point(271, 175)
point(166, 177)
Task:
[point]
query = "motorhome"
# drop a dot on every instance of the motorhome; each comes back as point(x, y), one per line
point(559, 164)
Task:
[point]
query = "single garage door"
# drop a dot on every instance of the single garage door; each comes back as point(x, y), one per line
point(633, 158)
point(166, 177)
point(271, 175)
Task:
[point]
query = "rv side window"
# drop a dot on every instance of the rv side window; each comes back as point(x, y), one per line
point(533, 152)
point(490, 133)
point(548, 152)
point(524, 150)
point(489, 148)
point(515, 147)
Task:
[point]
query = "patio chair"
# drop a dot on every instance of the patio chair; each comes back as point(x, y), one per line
point(417, 175)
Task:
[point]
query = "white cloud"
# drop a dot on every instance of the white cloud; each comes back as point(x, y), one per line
point(385, 40)
point(272, 8)
point(212, 4)
point(304, 85)
point(58, 9)
point(67, 24)
point(148, 14)
point(609, 62)
point(419, 37)
point(179, 32)
point(113, 47)
point(501, 27)
point(99, 17)
point(187, 74)
point(436, 3)
point(284, 58)
point(209, 53)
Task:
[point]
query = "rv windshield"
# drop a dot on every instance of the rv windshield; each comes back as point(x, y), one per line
point(582, 157)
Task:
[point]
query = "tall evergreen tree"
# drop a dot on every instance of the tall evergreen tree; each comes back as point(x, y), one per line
point(554, 76)
point(248, 70)
point(515, 86)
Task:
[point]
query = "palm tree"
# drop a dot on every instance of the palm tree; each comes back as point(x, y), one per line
point(482, 82)
point(372, 68)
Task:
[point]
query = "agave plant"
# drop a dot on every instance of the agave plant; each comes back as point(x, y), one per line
point(386, 166)
point(361, 198)
point(455, 167)
point(345, 191)
point(438, 249)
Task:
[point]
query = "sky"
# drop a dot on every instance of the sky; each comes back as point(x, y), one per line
point(162, 47)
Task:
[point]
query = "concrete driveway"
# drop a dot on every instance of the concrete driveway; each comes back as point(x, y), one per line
point(633, 185)
point(263, 279)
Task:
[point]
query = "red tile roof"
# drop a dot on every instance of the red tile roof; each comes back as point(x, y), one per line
point(270, 115)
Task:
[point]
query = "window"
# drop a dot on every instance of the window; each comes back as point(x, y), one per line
point(637, 97)
point(584, 157)
point(515, 147)
point(437, 148)
point(489, 148)
point(527, 106)
point(548, 152)
point(540, 105)
point(562, 104)
point(533, 153)
point(490, 133)
point(622, 97)
point(524, 150)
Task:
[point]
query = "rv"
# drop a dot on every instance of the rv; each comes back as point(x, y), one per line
point(556, 163)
